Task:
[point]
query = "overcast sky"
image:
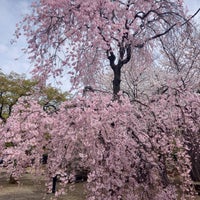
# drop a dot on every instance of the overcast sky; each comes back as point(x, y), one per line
point(11, 56)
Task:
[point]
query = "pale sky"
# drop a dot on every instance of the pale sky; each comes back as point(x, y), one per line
point(11, 56)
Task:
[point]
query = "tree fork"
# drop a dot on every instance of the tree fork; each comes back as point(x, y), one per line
point(124, 52)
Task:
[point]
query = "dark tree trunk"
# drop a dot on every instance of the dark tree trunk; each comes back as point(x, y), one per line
point(117, 63)
point(54, 184)
point(12, 180)
point(116, 80)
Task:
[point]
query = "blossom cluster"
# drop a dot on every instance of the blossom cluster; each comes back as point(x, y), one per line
point(130, 150)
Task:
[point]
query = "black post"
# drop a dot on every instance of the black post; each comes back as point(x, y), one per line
point(54, 184)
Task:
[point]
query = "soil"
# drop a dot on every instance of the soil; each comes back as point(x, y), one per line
point(33, 188)
point(30, 189)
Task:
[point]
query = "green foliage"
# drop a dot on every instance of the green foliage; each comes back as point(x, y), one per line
point(9, 144)
point(13, 86)
point(51, 95)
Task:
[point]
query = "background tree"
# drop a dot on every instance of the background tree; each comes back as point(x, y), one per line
point(13, 86)
point(50, 98)
point(179, 59)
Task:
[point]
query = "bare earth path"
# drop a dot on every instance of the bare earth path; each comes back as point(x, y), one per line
point(31, 190)
point(34, 190)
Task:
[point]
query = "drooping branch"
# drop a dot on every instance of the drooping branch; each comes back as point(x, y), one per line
point(191, 17)
point(141, 45)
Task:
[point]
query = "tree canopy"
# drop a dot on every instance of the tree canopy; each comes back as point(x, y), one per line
point(82, 37)
point(142, 149)
point(14, 86)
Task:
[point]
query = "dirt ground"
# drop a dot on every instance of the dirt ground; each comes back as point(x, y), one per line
point(33, 190)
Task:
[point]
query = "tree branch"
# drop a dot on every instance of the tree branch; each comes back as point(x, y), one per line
point(191, 17)
point(111, 58)
point(128, 54)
